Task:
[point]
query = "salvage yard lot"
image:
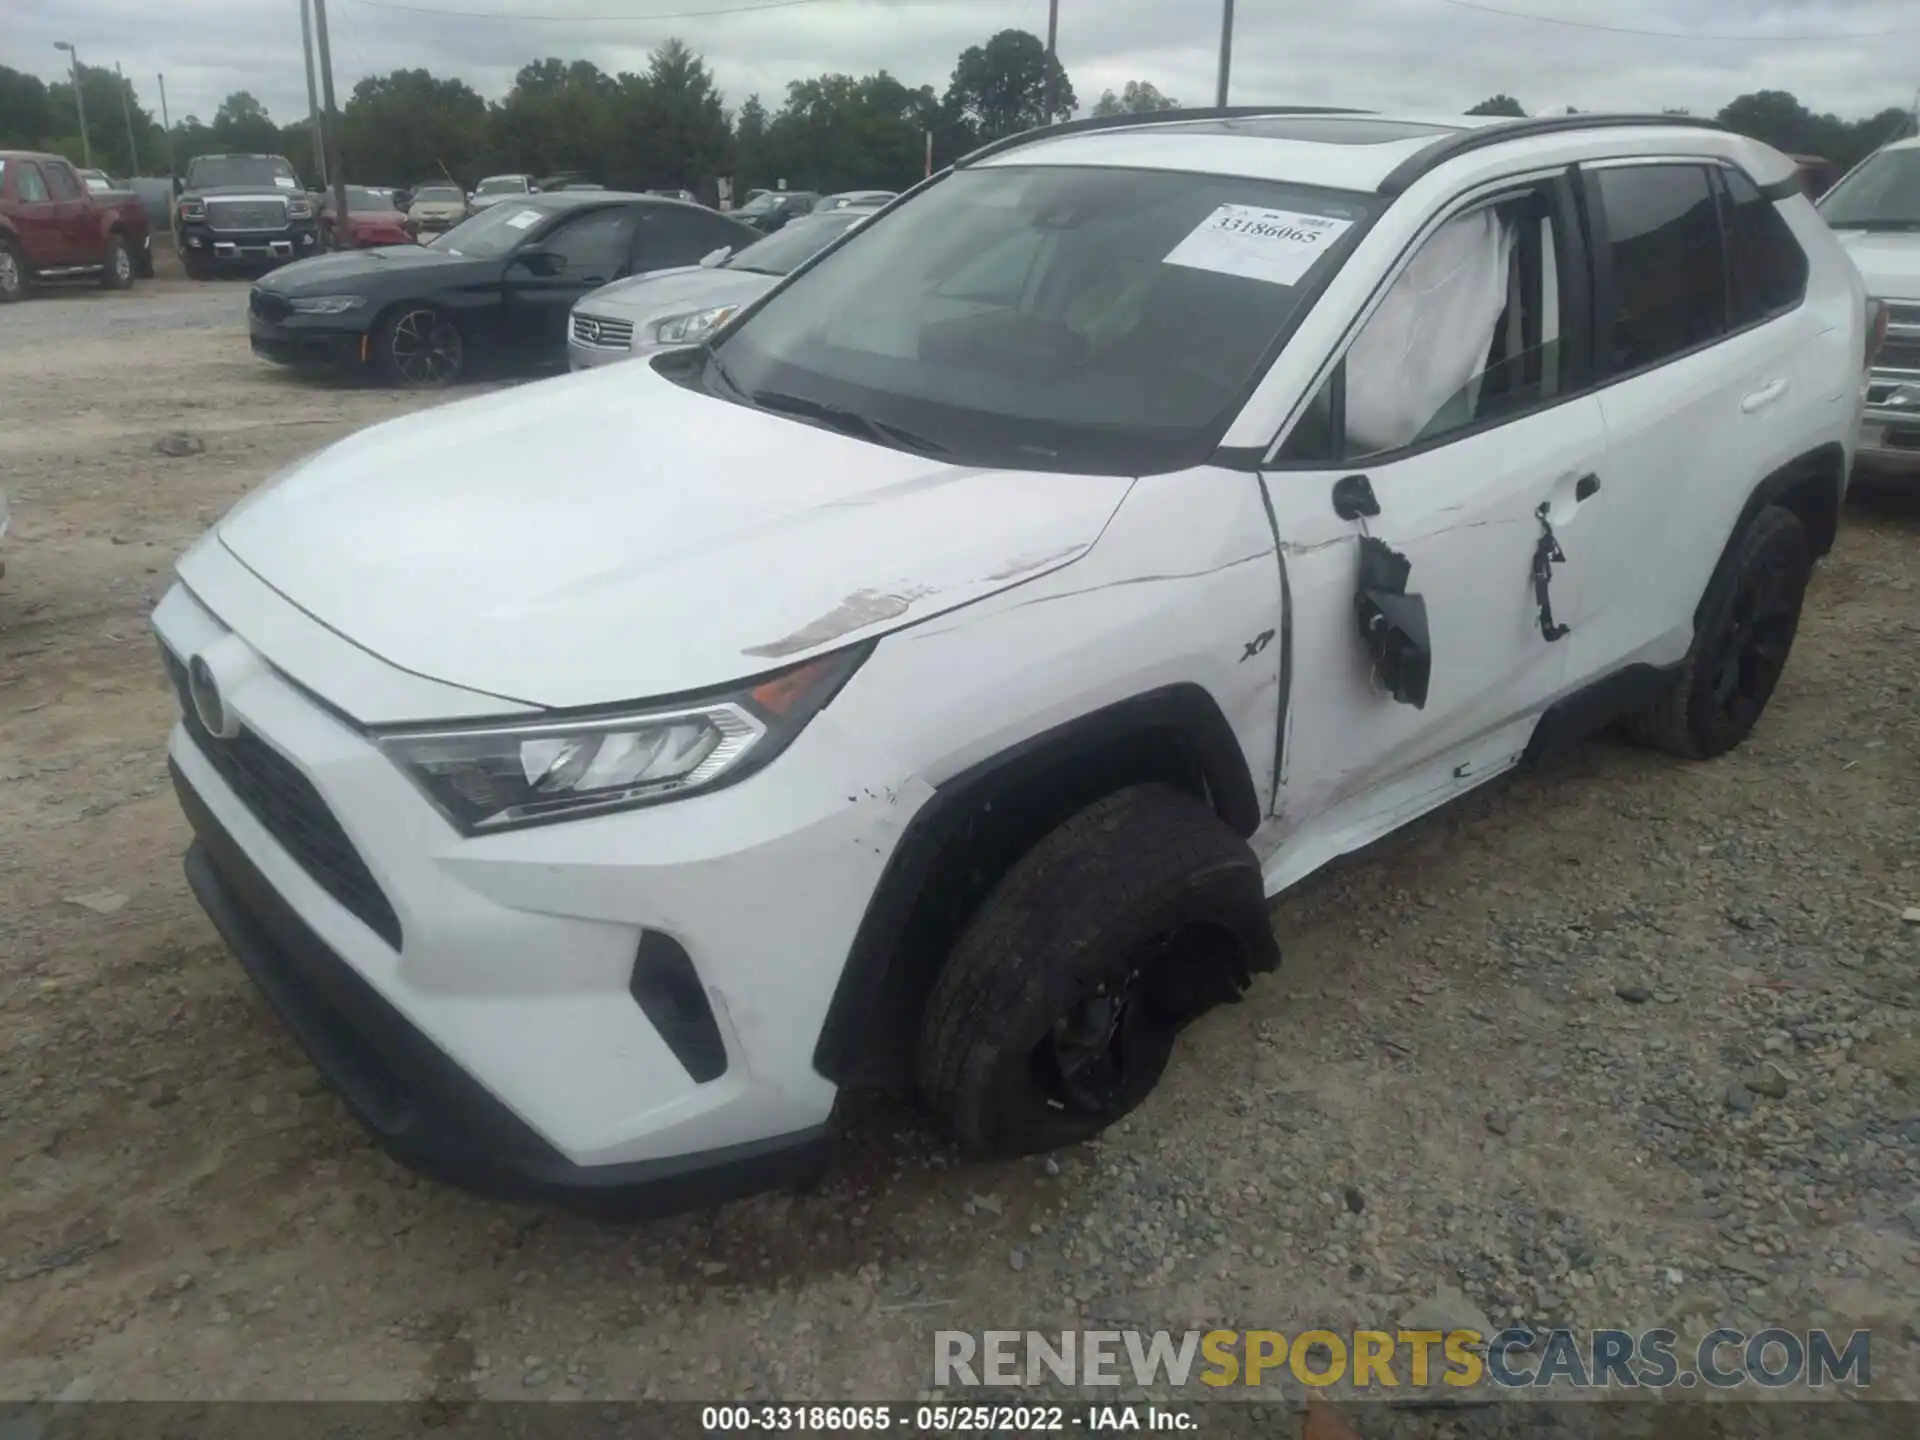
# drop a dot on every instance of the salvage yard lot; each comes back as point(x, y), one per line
point(1619, 1041)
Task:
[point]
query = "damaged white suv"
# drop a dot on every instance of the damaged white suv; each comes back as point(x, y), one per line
point(927, 681)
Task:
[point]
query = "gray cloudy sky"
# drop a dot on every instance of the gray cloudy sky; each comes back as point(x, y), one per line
point(1369, 53)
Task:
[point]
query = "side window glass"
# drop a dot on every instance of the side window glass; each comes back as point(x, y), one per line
point(1767, 269)
point(1669, 273)
point(33, 190)
point(668, 238)
point(60, 180)
point(1468, 332)
point(594, 245)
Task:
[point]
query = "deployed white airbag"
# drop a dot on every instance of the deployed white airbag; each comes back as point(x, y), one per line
point(1431, 334)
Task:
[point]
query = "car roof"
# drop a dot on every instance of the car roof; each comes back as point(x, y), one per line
point(1344, 149)
point(32, 155)
point(1912, 142)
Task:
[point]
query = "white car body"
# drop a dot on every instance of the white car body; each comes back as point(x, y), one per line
point(644, 314)
point(505, 187)
point(578, 546)
point(1889, 262)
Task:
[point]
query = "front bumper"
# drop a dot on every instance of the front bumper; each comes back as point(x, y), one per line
point(489, 1026)
point(264, 247)
point(292, 343)
point(588, 357)
point(1890, 426)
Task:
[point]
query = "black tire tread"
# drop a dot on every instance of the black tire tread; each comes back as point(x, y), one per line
point(20, 269)
point(1108, 858)
point(1670, 724)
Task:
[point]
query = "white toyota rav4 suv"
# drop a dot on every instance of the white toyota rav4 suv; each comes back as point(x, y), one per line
point(927, 681)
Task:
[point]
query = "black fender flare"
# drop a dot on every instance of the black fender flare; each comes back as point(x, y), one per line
point(868, 1036)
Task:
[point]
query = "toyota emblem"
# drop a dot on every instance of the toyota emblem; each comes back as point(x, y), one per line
point(207, 704)
point(590, 331)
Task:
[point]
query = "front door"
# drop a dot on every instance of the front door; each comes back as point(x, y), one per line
point(43, 232)
point(1420, 501)
point(566, 262)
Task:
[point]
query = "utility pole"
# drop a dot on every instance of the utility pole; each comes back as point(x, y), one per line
point(313, 94)
point(79, 102)
point(126, 111)
point(339, 176)
point(929, 171)
point(1053, 59)
point(1226, 51)
point(166, 124)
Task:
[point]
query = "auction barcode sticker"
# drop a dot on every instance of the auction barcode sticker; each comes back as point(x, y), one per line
point(523, 219)
point(1277, 246)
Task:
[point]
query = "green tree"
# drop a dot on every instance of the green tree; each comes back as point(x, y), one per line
point(750, 158)
point(839, 133)
point(241, 126)
point(1498, 105)
point(407, 127)
point(1140, 97)
point(558, 116)
point(105, 93)
point(669, 127)
point(1000, 88)
point(25, 116)
point(1779, 119)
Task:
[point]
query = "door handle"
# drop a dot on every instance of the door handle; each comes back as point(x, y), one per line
point(1586, 487)
point(1763, 397)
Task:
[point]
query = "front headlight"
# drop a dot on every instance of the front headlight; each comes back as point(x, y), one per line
point(299, 209)
point(696, 326)
point(486, 780)
point(327, 304)
point(193, 209)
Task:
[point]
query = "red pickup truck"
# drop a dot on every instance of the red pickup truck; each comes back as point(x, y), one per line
point(51, 227)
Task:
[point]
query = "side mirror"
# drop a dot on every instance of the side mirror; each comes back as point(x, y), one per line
point(715, 257)
point(1393, 624)
point(544, 263)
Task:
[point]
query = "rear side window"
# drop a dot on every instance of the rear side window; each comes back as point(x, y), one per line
point(1767, 269)
point(1669, 290)
point(670, 236)
point(65, 187)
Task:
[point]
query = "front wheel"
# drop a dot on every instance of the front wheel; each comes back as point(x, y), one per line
point(1745, 630)
point(419, 348)
point(1056, 1012)
point(116, 273)
point(196, 266)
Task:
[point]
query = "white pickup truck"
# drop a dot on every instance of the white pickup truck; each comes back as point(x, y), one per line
point(1875, 209)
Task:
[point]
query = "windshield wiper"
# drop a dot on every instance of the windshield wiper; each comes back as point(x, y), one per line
point(847, 422)
point(1894, 227)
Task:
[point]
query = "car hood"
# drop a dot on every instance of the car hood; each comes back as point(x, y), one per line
point(353, 269)
point(611, 536)
point(1888, 261)
point(664, 291)
point(437, 207)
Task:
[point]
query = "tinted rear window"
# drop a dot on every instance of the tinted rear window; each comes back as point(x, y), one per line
point(1767, 268)
point(1669, 275)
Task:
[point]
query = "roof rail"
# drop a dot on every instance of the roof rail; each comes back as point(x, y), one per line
point(1148, 117)
point(1464, 142)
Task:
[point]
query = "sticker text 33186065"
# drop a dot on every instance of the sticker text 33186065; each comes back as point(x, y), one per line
point(1277, 246)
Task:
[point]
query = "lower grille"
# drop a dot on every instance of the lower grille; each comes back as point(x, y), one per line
point(269, 306)
point(602, 333)
point(293, 812)
point(229, 215)
point(1901, 354)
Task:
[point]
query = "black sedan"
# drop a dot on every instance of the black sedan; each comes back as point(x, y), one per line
point(499, 285)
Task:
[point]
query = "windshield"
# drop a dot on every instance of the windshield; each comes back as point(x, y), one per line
point(438, 195)
point(1883, 194)
point(787, 248)
point(759, 204)
point(491, 233)
point(269, 172)
point(360, 199)
point(1089, 319)
point(502, 185)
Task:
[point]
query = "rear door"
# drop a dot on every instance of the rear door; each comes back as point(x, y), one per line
point(1700, 383)
point(43, 231)
point(78, 219)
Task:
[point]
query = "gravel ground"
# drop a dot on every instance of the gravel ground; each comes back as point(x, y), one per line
point(1618, 1041)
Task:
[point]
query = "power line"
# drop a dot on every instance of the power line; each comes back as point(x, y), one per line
point(584, 19)
point(1666, 34)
